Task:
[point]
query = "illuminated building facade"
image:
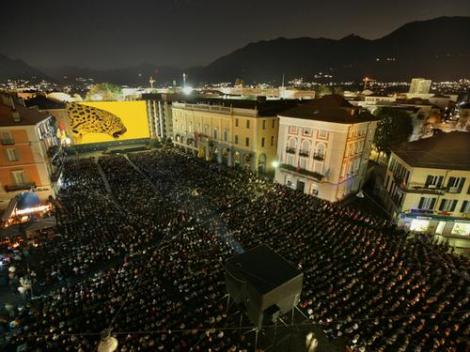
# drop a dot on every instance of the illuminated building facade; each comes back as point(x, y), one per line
point(420, 86)
point(160, 114)
point(324, 147)
point(240, 133)
point(30, 153)
point(428, 185)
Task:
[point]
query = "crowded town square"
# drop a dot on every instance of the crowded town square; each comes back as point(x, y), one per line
point(139, 249)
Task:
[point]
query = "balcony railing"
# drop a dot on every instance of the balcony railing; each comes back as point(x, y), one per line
point(313, 174)
point(7, 141)
point(304, 153)
point(421, 188)
point(20, 187)
point(454, 189)
point(290, 150)
point(319, 156)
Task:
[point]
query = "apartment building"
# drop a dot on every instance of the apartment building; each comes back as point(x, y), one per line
point(428, 184)
point(240, 133)
point(30, 156)
point(324, 147)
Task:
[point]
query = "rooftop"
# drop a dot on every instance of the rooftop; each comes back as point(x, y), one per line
point(330, 108)
point(27, 116)
point(263, 268)
point(263, 107)
point(44, 103)
point(442, 151)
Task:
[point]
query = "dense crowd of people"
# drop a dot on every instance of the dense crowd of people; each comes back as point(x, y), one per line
point(141, 244)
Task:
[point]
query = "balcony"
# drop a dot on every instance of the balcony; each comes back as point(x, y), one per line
point(53, 151)
point(7, 141)
point(454, 190)
point(304, 153)
point(20, 187)
point(319, 156)
point(290, 150)
point(420, 188)
point(298, 170)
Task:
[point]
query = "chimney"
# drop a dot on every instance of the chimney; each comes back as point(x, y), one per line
point(16, 116)
point(14, 113)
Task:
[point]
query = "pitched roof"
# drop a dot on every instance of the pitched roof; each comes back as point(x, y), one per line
point(442, 151)
point(330, 108)
point(265, 108)
point(43, 103)
point(28, 116)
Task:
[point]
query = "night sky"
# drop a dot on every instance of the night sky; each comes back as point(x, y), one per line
point(116, 33)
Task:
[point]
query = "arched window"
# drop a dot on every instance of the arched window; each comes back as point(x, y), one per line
point(305, 148)
point(292, 146)
point(319, 151)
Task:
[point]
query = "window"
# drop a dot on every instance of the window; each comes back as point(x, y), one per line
point(455, 184)
point(461, 229)
point(262, 141)
point(236, 139)
point(319, 151)
point(12, 154)
point(433, 181)
point(426, 203)
point(225, 135)
point(418, 225)
point(215, 133)
point(448, 205)
point(465, 207)
point(7, 138)
point(247, 142)
point(318, 167)
point(323, 134)
point(291, 160)
point(305, 148)
point(264, 124)
point(18, 177)
point(272, 144)
point(292, 130)
point(236, 122)
point(303, 163)
point(356, 165)
point(247, 123)
point(361, 147)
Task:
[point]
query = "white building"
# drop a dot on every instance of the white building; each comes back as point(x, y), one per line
point(420, 86)
point(324, 147)
point(428, 186)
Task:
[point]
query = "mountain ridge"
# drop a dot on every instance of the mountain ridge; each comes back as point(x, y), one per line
point(432, 48)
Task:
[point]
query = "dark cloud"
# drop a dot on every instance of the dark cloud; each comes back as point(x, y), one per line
point(113, 33)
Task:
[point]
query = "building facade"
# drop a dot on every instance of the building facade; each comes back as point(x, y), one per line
point(324, 148)
point(420, 86)
point(428, 185)
point(30, 153)
point(237, 133)
point(159, 114)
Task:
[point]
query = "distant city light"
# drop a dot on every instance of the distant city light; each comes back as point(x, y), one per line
point(187, 90)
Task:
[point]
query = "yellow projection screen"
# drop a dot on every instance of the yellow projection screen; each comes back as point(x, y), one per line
point(106, 121)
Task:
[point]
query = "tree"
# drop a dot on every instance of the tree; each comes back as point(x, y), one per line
point(393, 128)
point(104, 91)
point(322, 90)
